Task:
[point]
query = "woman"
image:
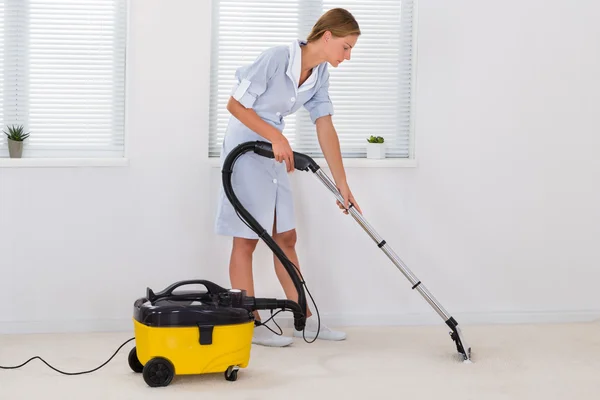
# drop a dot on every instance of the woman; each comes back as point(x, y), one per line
point(280, 81)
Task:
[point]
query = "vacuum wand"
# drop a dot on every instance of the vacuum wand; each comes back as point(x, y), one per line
point(456, 333)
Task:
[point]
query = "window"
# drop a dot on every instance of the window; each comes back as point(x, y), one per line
point(372, 93)
point(62, 76)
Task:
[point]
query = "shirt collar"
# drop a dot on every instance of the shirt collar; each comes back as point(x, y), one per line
point(295, 65)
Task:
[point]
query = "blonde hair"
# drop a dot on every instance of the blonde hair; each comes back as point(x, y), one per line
point(338, 21)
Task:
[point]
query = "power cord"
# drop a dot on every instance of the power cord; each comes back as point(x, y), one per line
point(70, 373)
point(259, 323)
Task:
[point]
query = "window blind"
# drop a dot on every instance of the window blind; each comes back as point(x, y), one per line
point(64, 75)
point(371, 93)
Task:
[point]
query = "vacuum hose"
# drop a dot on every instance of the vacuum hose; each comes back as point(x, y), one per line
point(302, 162)
point(276, 304)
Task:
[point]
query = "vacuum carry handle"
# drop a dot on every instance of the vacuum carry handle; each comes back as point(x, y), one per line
point(211, 287)
point(302, 162)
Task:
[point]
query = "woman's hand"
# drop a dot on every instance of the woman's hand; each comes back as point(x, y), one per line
point(283, 152)
point(348, 198)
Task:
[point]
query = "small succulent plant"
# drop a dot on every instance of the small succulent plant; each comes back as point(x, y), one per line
point(16, 133)
point(375, 139)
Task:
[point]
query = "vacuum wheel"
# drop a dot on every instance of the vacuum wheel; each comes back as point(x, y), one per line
point(134, 362)
point(158, 372)
point(231, 373)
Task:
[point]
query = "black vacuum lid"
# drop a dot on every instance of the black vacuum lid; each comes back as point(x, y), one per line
point(188, 309)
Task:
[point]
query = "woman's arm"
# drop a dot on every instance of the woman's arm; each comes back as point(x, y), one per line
point(330, 145)
point(247, 116)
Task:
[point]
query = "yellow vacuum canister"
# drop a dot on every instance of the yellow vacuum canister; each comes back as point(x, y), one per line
point(182, 333)
point(195, 332)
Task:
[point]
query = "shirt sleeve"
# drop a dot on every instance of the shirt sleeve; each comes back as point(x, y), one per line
point(320, 104)
point(251, 80)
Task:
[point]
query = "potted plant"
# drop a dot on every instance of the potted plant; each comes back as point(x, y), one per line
point(375, 147)
point(16, 135)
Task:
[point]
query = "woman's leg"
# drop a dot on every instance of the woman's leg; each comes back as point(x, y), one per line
point(240, 274)
point(240, 266)
point(287, 242)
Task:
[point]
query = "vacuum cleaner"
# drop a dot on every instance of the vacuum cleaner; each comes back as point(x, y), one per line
point(198, 332)
point(206, 331)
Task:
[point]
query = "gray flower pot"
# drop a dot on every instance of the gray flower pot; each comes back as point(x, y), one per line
point(15, 148)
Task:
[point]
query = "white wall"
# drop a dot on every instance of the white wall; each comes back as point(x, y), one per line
point(500, 219)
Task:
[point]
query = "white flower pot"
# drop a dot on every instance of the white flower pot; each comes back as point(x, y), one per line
point(375, 150)
point(15, 148)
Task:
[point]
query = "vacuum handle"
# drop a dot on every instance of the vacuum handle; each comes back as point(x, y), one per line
point(211, 287)
point(302, 162)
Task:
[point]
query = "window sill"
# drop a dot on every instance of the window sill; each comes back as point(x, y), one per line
point(62, 162)
point(213, 162)
point(353, 163)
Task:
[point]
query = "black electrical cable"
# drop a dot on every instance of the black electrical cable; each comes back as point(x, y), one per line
point(70, 373)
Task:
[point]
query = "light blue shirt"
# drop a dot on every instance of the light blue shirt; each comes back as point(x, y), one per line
point(269, 86)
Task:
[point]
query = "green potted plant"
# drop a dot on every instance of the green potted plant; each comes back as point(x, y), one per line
point(16, 135)
point(375, 147)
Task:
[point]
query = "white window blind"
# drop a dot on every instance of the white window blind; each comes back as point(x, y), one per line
point(63, 76)
point(371, 93)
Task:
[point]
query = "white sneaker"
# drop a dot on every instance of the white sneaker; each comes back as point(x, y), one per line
point(325, 333)
point(264, 337)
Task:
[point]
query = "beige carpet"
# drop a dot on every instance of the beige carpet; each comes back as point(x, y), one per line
point(509, 362)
